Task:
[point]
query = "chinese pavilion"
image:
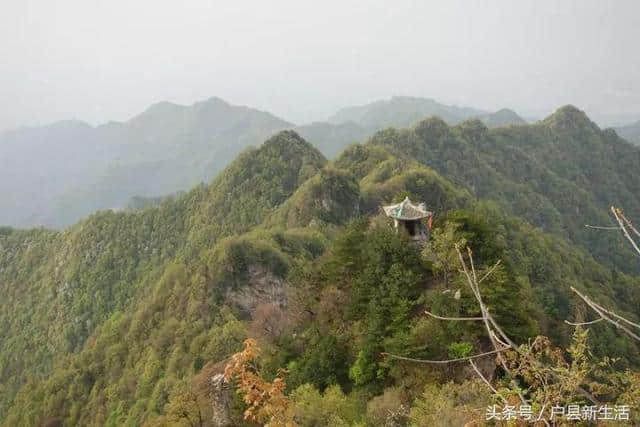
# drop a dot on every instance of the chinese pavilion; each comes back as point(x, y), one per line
point(409, 216)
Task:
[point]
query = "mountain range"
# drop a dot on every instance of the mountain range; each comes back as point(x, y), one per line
point(57, 174)
point(54, 175)
point(125, 317)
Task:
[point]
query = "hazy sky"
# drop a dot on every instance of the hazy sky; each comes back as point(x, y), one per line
point(104, 60)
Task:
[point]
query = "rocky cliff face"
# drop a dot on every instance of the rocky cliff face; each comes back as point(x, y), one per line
point(220, 397)
point(264, 288)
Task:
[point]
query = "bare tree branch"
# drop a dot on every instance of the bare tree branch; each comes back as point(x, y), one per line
point(475, 368)
point(499, 340)
point(629, 223)
point(583, 323)
point(488, 273)
point(597, 227)
point(442, 362)
point(624, 223)
point(491, 323)
point(605, 315)
point(452, 318)
point(475, 288)
point(617, 316)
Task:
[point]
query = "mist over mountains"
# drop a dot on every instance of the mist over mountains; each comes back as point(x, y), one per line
point(57, 174)
point(630, 132)
point(54, 175)
point(403, 111)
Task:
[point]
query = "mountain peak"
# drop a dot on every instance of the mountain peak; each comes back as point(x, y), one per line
point(409, 99)
point(212, 101)
point(402, 111)
point(502, 117)
point(569, 117)
point(161, 108)
point(507, 112)
point(288, 140)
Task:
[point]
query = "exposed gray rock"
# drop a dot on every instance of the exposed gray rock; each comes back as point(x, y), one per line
point(264, 287)
point(220, 401)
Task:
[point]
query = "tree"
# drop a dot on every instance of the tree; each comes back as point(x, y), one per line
point(184, 408)
point(440, 250)
point(266, 401)
point(535, 374)
point(623, 324)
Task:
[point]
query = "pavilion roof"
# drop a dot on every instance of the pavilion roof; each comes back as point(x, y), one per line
point(407, 210)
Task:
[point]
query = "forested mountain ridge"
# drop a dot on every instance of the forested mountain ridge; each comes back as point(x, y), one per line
point(129, 311)
point(59, 286)
point(54, 175)
point(57, 174)
point(355, 124)
point(560, 174)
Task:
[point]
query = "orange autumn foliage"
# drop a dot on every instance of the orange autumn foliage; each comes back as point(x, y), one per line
point(266, 401)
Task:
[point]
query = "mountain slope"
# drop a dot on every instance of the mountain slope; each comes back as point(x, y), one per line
point(58, 287)
point(114, 320)
point(58, 174)
point(559, 174)
point(257, 252)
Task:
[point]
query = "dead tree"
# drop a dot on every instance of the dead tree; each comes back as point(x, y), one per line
point(623, 324)
point(499, 340)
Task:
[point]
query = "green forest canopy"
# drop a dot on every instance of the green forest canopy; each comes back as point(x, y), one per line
point(107, 322)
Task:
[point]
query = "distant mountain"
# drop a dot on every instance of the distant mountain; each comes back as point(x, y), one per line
point(355, 124)
point(332, 138)
point(403, 111)
point(630, 132)
point(39, 164)
point(504, 117)
point(56, 174)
